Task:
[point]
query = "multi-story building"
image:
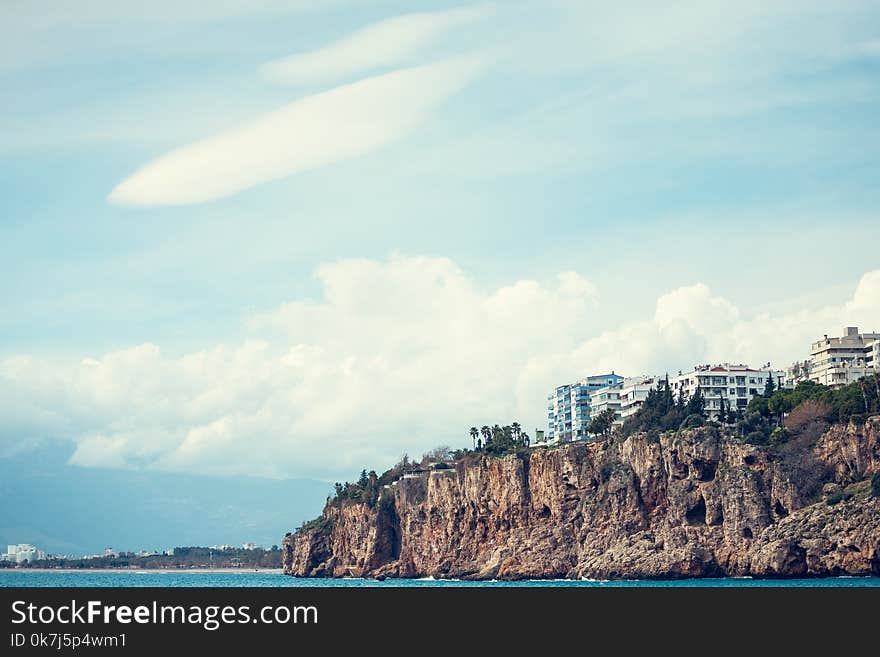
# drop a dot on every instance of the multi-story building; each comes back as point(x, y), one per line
point(607, 398)
point(836, 362)
point(23, 552)
point(633, 393)
point(569, 410)
point(873, 357)
point(624, 397)
point(796, 372)
point(727, 384)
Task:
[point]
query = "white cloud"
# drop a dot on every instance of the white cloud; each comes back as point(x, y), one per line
point(691, 326)
point(395, 355)
point(384, 43)
point(339, 124)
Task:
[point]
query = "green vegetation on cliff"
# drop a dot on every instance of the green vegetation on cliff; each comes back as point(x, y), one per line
point(769, 418)
point(786, 422)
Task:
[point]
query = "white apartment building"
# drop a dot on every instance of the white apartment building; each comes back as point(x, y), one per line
point(633, 393)
point(873, 357)
point(624, 397)
point(835, 362)
point(23, 552)
point(796, 372)
point(569, 408)
point(732, 385)
point(605, 398)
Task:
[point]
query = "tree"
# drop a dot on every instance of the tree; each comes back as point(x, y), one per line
point(525, 439)
point(474, 433)
point(779, 404)
point(602, 424)
point(487, 435)
point(439, 454)
point(722, 413)
point(770, 386)
point(516, 429)
point(668, 399)
point(696, 405)
point(681, 402)
point(363, 480)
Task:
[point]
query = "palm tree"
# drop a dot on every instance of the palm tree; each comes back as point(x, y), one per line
point(525, 438)
point(487, 434)
point(474, 433)
point(516, 428)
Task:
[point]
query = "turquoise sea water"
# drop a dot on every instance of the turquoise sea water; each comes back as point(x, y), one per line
point(274, 579)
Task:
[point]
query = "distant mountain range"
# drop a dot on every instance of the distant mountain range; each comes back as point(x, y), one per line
point(73, 510)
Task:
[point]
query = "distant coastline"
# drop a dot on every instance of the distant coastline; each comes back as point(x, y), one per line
point(136, 570)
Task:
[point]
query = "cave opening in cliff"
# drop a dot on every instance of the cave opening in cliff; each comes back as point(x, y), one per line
point(746, 532)
point(697, 513)
point(780, 510)
point(705, 470)
point(544, 512)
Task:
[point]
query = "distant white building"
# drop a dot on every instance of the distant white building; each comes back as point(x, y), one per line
point(796, 372)
point(727, 384)
point(835, 362)
point(604, 399)
point(109, 552)
point(569, 408)
point(633, 392)
point(624, 397)
point(249, 546)
point(22, 552)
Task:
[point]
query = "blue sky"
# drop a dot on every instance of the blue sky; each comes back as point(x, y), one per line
point(293, 239)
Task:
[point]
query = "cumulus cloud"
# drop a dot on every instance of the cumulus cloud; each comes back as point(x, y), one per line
point(394, 355)
point(379, 44)
point(339, 124)
point(691, 326)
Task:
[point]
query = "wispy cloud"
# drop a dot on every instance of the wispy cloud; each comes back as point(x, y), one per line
point(339, 124)
point(384, 43)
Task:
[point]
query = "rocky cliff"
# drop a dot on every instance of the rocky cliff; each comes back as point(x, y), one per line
point(691, 504)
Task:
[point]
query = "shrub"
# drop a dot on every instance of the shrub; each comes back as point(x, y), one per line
point(834, 498)
point(798, 460)
point(779, 436)
point(692, 421)
point(321, 524)
point(808, 412)
point(756, 438)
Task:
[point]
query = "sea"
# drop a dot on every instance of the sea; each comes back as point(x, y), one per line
point(126, 578)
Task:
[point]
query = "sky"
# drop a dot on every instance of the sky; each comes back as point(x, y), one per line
point(294, 239)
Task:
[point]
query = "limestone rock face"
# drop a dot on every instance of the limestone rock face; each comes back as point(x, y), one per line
point(692, 504)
